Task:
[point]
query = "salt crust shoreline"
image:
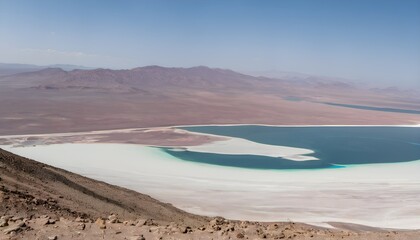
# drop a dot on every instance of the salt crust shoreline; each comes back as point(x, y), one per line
point(379, 195)
point(228, 145)
point(122, 130)
point(311, 196)
point(240, 146)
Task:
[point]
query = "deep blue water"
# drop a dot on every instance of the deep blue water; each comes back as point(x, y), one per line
point(383, 109)
point(334, 146)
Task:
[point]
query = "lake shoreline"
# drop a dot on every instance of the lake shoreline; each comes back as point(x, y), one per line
point(162, 177)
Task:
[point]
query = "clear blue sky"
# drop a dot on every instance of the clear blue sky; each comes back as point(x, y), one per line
point(368, 40)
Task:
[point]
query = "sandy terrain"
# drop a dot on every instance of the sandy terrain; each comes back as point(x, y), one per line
point(53, 100)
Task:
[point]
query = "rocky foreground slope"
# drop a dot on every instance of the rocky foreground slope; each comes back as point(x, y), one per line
point(38, 201)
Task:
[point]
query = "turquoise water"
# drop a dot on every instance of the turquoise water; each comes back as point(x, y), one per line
point(334, 146)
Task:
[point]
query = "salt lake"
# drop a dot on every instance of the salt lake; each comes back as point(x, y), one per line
point(364, 175)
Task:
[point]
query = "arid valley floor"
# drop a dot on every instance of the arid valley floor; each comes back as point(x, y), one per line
point(141, 106)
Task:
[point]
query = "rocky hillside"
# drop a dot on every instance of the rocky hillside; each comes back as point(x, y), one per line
point(44, 189)
point(38, 201)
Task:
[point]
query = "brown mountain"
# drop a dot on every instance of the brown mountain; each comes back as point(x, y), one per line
point(54, 100)
point(154, 77)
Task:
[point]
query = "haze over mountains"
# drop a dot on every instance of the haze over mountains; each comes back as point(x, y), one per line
point(135, 79)
point(52, 99)
point(146, 73)
point(14, 68)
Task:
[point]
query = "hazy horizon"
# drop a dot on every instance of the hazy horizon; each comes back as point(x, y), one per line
point(375, 42)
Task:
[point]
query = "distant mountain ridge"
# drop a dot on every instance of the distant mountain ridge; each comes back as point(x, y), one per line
point(55, 100)
point(14, 68)
point(291, 78)
point(157, 77)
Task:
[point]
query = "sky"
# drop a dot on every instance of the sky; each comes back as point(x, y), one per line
point(372, 41)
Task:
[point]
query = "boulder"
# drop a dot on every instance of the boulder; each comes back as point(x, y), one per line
point(81, 226)
point(141, 237)
point(51, 221)
point(100, 223)
point(184, 229)
point(4, 222)
point(79, 219)
point(140, 222)
point(112, 219)
point(16, 218)
point(14, 228)
point(240, 235)
point(44, 219)
point(272, 227)
point(149, 222)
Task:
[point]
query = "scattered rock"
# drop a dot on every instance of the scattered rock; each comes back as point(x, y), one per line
point(6, 217)
point(14, 219)
point(217, 221)
point(244, 224)
point(14, 228)
point(53, 238)
point(130, 223)
point(272, 227)
point(185, 229)
point(44, 219)
point(101, 223)
point(4, 222)
point(51, 221)
point(141, 237)
point(240, 235)
point(79, 219)
point(154, 229)
point(230, 228)
point(280, 235)
point(35, 201)
point(112, 219)
point(216, 224)
point(141, 222)
point(149, 222)
point(81, 226)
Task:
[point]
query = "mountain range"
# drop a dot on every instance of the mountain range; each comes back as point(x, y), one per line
point(14, 68)
point(56, 99)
